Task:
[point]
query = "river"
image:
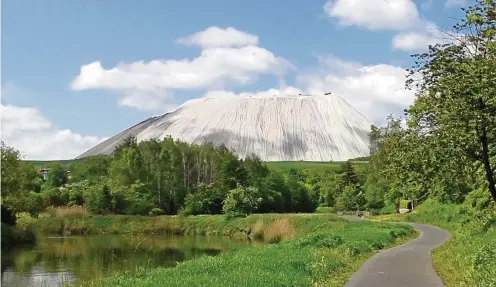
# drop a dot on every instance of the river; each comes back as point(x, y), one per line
point(58, 261)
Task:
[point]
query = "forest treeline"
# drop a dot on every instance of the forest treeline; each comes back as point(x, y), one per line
point(171, 177)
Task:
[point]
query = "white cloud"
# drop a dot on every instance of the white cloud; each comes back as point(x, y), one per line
point(400, 15)
point(232, 58)
point(455, 3)
point(26, 129)
point(218, 37)
point(374, 14)
point(420, 39)
point(374, 90)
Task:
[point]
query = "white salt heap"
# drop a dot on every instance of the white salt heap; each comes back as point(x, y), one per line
point(276, 128)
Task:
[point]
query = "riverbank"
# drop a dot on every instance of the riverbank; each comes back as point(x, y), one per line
point(252, 226)
point(468, 258)
point(318, 250)
point(12, 236)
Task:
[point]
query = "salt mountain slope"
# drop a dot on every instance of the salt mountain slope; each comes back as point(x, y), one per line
point(276, 128)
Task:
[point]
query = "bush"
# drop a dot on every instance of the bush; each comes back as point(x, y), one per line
point(139, 207)
point(205, 199)
point(34, 203)
point(324, 209)
point(55, 196)
point(24, 220)
point(241, 201)
point(156, 211)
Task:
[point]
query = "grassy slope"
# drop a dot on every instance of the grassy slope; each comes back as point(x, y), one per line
point(324, 249)
point(468, 258)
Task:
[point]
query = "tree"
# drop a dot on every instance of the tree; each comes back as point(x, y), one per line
point(456, 91)
point(57, 176)
point(241, 201)
point(11, 168)
point(349, 176)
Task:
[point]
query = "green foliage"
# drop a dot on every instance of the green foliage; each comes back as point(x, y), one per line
point(206, 199)
point(455, 102)
point(404, 203)
point(57, 176)
point(241, 200)
point(24, 220)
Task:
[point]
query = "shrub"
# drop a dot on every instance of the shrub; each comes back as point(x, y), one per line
point(156, 211)
point(24, 220)
point(205, 199)
point(324, 209)
point(241, 200)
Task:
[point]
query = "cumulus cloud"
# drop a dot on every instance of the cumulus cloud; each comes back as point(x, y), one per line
point(374, 14)
point(374, 90)
point(420, 40)
point(228, 57)
point(26, 129)
point(415, 33)
point(218, 37)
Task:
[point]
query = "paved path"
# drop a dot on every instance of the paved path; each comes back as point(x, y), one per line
point(407, 265)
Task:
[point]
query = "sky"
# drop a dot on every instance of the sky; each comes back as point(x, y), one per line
point(74, 73)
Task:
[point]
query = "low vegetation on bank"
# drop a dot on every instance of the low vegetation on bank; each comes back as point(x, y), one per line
point(303, 250)
point(255, 226)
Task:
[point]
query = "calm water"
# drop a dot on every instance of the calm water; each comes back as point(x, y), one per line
point(56, 261)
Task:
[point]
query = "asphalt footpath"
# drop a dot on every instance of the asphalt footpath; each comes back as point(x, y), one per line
point(406, 265)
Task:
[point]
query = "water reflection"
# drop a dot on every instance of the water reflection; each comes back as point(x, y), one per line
point(56, 261)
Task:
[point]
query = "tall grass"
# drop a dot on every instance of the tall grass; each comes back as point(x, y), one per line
point(201, 225)
point(67, 211)
point(280, 229)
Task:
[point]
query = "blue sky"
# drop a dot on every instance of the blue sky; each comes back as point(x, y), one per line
point(53, 109)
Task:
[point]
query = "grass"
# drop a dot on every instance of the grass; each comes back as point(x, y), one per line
point(323, 209)
point(66, 211)
point(468, 258)
point(179, 225)
point(319, 250)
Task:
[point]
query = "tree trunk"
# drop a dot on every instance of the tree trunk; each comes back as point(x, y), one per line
point(491, 182)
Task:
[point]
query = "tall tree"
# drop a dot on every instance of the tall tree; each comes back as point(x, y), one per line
point(456, 90)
